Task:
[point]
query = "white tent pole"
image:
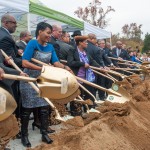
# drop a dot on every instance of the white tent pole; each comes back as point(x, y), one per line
point(28, 21)
point(111, 41)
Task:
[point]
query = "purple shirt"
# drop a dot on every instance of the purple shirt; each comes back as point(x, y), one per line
point(82, 70)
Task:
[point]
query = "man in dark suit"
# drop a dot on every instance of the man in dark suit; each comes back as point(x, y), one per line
point(64, 45)
point(119, 52)
point(96, 53)
point(105, 53)
point(8, 26)
point(56, 34)
point(6, 83)
point(25, 37)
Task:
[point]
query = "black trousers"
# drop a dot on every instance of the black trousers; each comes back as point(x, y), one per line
point(16, 93)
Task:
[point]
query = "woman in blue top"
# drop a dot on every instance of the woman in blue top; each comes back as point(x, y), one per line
point(41, 50)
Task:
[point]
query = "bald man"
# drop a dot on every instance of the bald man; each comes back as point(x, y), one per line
point(56, 34)
point(119, 52)
point(8, 26)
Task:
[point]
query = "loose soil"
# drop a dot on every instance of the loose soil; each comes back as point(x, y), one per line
point(8, 130)
point(117, 126)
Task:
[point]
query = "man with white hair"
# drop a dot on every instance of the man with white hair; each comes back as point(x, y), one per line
point(56, 34)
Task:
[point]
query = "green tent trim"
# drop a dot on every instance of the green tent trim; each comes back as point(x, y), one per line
point(49, 13)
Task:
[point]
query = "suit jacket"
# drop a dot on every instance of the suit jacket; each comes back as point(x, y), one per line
point(73, 61)
point(73, 43)
point(107, 61)
point(21, 45)
point(64, 49)
point(124, 54)
point(8, 71)
point(108, 53)
point(95, 53)
point(53, 41)
point(8, 45)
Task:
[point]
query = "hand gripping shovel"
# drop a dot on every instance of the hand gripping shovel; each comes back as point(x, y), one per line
point(118, 94)
point(34, 87)
point(37, 61)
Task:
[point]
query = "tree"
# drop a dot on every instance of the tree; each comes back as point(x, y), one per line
point(94, 14)
point(146, 46)
point(132, 31)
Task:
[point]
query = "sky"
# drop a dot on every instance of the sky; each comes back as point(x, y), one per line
point(126, 12)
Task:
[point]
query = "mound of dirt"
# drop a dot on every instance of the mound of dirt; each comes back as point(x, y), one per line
point(8, 130)
point(117, 127)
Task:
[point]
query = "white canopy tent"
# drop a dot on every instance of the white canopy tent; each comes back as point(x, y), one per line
point(20, 9)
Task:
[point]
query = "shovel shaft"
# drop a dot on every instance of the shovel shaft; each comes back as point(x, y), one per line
point(39, 62)
point(17, 68)
point(10, 60)
point(81, 86)
point(63, 61)
point(15, 77)
point(122, 60)
point(102, 75)
point(108, 71)
point(98, 87)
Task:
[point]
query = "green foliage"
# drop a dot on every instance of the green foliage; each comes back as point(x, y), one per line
point(146, 46)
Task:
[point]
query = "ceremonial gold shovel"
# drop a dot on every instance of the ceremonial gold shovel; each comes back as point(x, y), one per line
point(38, 91)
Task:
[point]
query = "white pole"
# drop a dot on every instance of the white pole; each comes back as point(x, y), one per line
point(28, 21)
point(111, 42)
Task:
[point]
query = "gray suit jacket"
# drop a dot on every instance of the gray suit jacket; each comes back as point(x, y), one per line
point(21, 45)
point(64, 49)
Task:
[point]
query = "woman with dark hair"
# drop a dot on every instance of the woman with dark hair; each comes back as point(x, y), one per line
point(79, 61)
point(41, 50)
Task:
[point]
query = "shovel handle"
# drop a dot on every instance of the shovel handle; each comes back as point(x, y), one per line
point(15, 77)
point(56, 111)
point(102, 75)
point(39, 62)
point(17, 68)
point(63, 61)
point(81, 86)
point(97, 86)
point(122, 60)
point(108, 71)
point(10, 60)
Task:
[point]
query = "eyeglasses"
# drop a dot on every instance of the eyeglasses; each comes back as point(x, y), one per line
point(14, 22)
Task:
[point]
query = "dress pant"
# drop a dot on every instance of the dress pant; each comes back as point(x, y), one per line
point(16, 93)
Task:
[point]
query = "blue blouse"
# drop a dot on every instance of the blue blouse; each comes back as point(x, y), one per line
point(34, 45)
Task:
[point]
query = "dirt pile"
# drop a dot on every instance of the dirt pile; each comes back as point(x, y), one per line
point(117, 127)
point(8, 129)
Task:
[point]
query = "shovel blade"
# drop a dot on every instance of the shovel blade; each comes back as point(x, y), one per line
point(125, 96)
